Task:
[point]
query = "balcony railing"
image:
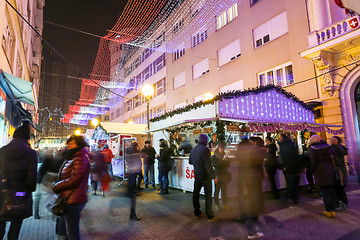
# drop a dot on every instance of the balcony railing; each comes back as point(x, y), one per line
point(334, 31)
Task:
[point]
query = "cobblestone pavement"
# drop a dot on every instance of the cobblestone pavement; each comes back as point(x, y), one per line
point(171, 217)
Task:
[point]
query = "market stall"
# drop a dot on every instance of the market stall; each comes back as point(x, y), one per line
point(263, 110)
point(121, 135)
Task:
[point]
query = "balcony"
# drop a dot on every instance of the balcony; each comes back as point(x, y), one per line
point(334, 31)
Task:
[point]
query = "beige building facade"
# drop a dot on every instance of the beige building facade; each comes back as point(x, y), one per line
point(217, 46)
point(21, 50)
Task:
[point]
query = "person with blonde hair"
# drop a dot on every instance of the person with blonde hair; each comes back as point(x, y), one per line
point(324, 172)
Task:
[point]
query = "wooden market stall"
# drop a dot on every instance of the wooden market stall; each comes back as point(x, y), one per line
point(266, 109)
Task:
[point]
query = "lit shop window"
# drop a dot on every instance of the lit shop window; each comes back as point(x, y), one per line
point(270, 30)
point(179, 52)
point(281, 76)
point(227, 16)
point(198, 37)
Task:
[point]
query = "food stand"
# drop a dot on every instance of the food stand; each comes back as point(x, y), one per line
point(122, 133)
point(267, 109)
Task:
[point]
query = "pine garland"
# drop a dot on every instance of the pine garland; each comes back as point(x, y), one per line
point(232, 94)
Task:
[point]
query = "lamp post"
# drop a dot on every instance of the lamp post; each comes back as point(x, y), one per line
point(147, 90)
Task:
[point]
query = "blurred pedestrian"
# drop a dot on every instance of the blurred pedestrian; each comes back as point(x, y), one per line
point(291, 164)
point(204, 173)
point(250, 157)
point(164, 160)
point(133, 155)
point(72, 184)
point(108, 154)
point(98, 169)
point(185, 147)
point(44, 178)
point(271, 165)
point(18, 164)
point(309, 176)
point(221, 163)
point(149, 161)
point(324, 172)
point(340, 157)
point(213, 142)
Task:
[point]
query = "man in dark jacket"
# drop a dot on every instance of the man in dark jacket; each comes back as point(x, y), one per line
point(291, 163)
point(149, 160)
point(18, 165)
point(204, 173)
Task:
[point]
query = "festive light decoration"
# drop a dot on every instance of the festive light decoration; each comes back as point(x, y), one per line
point(141, 30)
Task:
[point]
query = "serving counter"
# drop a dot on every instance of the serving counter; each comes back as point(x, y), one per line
point(182, 177)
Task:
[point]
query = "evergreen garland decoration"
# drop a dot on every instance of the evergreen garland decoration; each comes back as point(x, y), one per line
point(195, 125)
point(231, 94)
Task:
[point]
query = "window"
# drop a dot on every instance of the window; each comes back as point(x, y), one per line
point(281, 76)
point(270, 30)
point(227, 16)
point(160, 87)
point(8, 42)
point(118, 113)
point(178, 25)
point(201, 68)
point(159, 63)
point(128, 105)
point(229, 52)
point(159, 40)
point(138, 100)
point(137, 119)
point(252, 2)
point(196, 7)
point(179, 52)
point(198, 37)
point(180, 105)
point(179, 80)
point(239, 85)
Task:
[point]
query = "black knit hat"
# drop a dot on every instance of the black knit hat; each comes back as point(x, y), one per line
point(23, 132)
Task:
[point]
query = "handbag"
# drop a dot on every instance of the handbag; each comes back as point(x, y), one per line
point(339, 177)
point(13, 202)
point(57, 204)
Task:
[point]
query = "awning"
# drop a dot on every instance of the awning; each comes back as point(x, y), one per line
point(21, 89)
point(124, 128)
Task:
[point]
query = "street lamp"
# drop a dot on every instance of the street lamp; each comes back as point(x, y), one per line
point(130, 122)
point(148, 90)
point(77, 132)
point(95, 122)
point(208, 96)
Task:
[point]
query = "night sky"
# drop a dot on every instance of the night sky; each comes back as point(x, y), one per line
point(92, 16)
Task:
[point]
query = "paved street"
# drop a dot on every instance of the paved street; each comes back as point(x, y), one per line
point(171, 217)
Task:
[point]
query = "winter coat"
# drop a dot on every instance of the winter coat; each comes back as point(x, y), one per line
point(20, 164)
point(200, 159)
point(321, 164)
point(289, 157)
point(271, 159)
point(133, 159)
point(250, 159)
point(149, 155)
point(97, 166)
point(221, 167)
point(73, 177)
point(164, 159)
point(107, 154)
point(340, 152)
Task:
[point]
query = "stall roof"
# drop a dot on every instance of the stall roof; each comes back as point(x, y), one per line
point(124, 128)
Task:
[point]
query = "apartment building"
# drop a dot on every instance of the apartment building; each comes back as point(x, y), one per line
point(20, 55)
point(217, 46)
point(334, 49)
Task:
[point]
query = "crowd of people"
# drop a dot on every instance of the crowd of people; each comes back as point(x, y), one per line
point(67, 172)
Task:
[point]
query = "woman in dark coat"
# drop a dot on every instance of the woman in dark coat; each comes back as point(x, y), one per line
point(221, 164)
point(324, 172)
point(340, 152)
point(72, 183)
point(19, 162)
point(164, 159)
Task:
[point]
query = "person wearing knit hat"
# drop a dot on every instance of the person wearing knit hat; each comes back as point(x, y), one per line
point(18, 157)
point(204, 173)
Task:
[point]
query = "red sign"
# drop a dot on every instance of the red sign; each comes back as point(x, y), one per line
point(121, 143)
point(353, 22)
